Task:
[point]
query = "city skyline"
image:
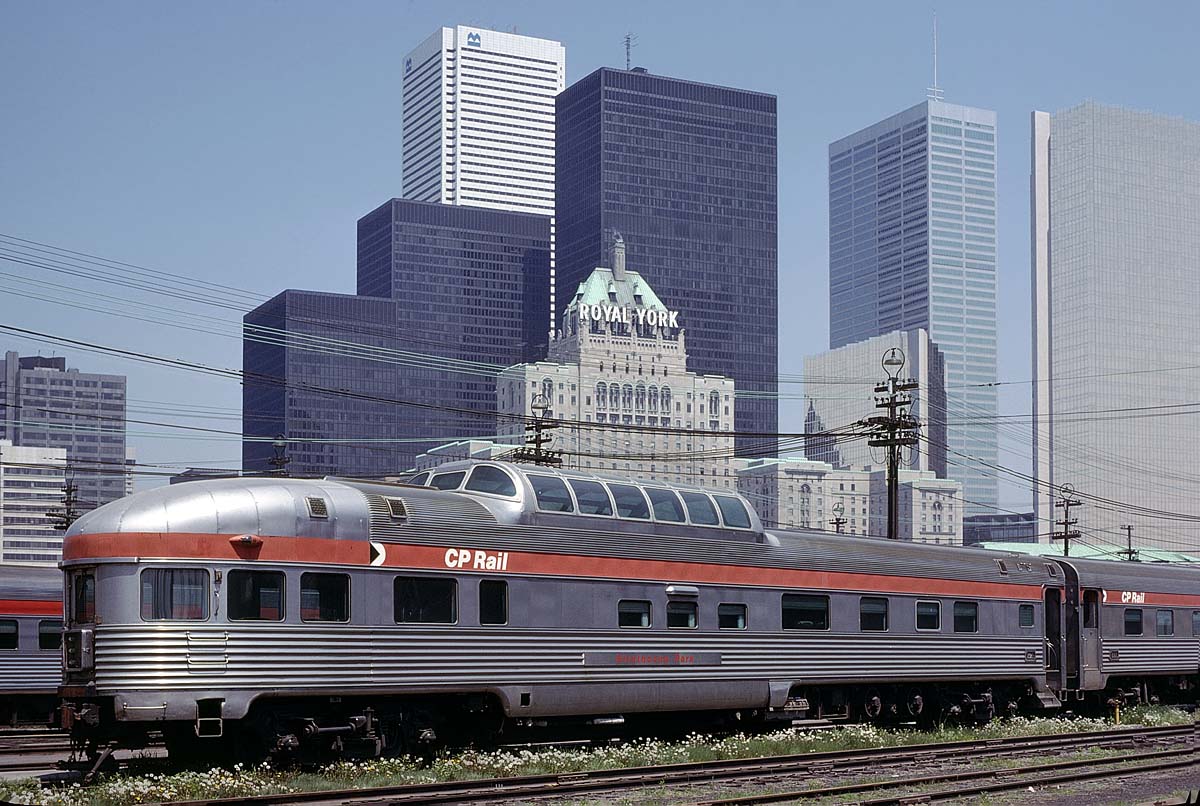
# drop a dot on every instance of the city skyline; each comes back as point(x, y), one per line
point(329, 216)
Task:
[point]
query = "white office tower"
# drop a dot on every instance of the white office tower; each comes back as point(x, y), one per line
point(1116, 339)
point(31, 488)
point(479, 119)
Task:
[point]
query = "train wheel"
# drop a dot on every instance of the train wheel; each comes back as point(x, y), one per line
point(915, 704)
point(872, 705)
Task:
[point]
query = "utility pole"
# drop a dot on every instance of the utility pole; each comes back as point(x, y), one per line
point(279, 458)
point(894, 431)
point(1065, 503)
point(63, 518)
point(1130, 554)
point(533, 451)
point(838, 520)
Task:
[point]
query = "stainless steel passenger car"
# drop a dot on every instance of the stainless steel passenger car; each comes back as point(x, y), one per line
point(486, 596)
point(30, 641)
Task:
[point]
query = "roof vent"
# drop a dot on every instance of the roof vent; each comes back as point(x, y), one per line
point(396, 509)
point(317, 508)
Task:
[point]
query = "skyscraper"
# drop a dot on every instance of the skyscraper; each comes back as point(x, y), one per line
point(45, 404)
point(912, 244)
point(840, 391)
point(1116, 251)
point(479, 124)
point(32, 486)
point(361, 384)
point(479, 119)
point(686, 173)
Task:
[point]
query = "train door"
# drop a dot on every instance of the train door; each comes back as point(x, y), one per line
point(1053, 611)
point(1089, 651)
point(1070, 625)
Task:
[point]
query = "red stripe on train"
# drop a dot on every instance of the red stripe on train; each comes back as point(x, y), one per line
point(397, 555)
point(29, 607)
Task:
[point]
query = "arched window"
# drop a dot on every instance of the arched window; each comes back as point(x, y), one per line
point(601, 395)
point(639, 397)
point(666, 399)
point(652, 398)
point(548, 391)
point(627, 396)
point(614, 396)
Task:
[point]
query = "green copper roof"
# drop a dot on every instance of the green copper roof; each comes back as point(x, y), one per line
point(595, 291)
point(1091, 552)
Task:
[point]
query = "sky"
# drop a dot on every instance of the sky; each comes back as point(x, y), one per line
point(238, 143)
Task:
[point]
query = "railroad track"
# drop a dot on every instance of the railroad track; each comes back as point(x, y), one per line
point(528, 787)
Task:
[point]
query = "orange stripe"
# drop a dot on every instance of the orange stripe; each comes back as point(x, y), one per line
point(398, 555)
point(30, 607)
point(175, 545)
point(431, 557)
point(1150, 598)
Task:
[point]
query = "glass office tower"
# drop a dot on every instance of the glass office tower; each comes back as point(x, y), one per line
point(1116, 339)
point(912, 244)
point(686, 173)
point(361, 384)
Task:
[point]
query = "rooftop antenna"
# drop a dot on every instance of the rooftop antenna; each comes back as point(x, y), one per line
point(935, 93)
point(630, 44)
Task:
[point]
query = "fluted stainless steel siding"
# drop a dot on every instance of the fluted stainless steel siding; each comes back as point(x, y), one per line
point(342, 659)
point(1147, 655)
point(29, 672)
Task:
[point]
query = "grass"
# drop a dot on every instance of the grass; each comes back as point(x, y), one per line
point(474, 764)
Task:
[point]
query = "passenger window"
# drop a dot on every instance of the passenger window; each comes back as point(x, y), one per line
point(592, 498)
point(425, 600)
point(1164, 623)
point(490, 479)
point(666, 505)
point(83, 599)
point(8, 633)
point(873, 614)
point(630, 501)
point(448, 481)
point(633, 613)
point(805, 612)
point(174, 594)
point(1196, 623)
point(1025, 615)
point(551, 493)
point(681, 615)
point(700, 509)
point(733, 511)
point(731, 616)
point(493, 601)
point(929, 615)
point(255, 595)
point(419, 480)
point(1133, 621)
point(50, 634)
point(324, 597)
point(1091, 609)
point(966, 617)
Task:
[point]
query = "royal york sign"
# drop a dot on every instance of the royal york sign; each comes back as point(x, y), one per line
point(628, 315)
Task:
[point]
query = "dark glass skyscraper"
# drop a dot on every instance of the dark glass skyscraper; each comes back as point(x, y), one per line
point(361, 384)
point(686, 173)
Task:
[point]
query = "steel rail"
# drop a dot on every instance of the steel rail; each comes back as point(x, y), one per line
point(520, 787)
point(978, 781)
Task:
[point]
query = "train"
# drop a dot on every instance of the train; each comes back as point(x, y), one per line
point(30, 642)
point(484, 600)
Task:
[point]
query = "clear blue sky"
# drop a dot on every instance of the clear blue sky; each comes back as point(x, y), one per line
point(239, 142)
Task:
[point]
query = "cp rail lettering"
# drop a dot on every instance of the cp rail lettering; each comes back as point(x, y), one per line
point(477, 560)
